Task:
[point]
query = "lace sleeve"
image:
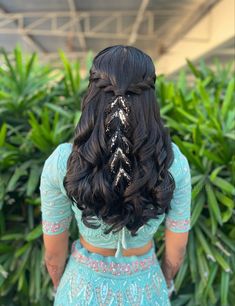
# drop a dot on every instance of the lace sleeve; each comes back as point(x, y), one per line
point(56, 211)
point(178, 217)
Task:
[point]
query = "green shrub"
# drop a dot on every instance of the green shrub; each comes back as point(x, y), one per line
point(201, 118)
point(39, 108)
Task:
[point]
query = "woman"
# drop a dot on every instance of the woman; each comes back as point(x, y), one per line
point(120, 178)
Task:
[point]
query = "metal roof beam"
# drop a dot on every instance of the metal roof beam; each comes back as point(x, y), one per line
point(101, 13)
point(91, 34)
point(50, 24)
point(77, 24)
point(21, 31)
point(138, 20)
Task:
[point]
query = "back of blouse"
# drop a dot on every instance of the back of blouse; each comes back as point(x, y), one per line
point(57, 209)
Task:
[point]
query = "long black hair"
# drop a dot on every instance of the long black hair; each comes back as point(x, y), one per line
point(146, 189)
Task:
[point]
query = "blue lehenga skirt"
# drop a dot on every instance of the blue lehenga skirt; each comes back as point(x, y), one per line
point(93, 279)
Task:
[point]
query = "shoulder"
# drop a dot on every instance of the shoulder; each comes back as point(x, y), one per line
point(64, 150)
point(56, 162)
point(180, 167)
point(54, 168)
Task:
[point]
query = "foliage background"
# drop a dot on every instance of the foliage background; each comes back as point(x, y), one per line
point(39, 109)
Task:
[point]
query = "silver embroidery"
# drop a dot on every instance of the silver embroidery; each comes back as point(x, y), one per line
point(122, 114)
point(121, 99)
point(120, 172)
point(116, 154)
point(113, 139)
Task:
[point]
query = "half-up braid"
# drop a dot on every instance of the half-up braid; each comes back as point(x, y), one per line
point(119, 109)
point(117, 126)
point(118, 167)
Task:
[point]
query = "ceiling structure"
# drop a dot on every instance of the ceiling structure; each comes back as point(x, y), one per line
point(165, 29)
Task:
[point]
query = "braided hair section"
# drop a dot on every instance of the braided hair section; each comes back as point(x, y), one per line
point(103, 82)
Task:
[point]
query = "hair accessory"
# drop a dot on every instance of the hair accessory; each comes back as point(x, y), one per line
point(122, 110)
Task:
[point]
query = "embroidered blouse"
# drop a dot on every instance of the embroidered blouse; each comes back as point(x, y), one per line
point(57, 210)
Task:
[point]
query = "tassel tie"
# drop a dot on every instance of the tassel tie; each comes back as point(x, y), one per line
point(121, 242)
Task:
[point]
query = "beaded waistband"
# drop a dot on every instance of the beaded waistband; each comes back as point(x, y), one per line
point(112, 267)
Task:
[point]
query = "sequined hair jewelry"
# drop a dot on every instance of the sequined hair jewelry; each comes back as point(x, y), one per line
point(120, 162)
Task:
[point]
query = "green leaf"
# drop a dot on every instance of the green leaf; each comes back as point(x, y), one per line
point(204, 94)
point(35, 233)
point(228, 100)
point(9, 65)
point(226, 240)
point(197, 208)
point(213, 202)
point(191, 157)
point(29, 65)
point(3, 272)
point(215, 172)
point(181, 275)
point(15, 178)
point(194, 70)
point(204, 244)
point(212, 156)
point(22, 250)
point(68, 70)
point(212, 275)
point(226, 215)
point(166, 108)
point(224, 288)
point(186, 115)
point(192, 256)
point(198, 188)
point(3, 133)
point(224, 185)
point(33, 180)
point(19, 64)
point(58, 109)
point(12, 236)
point(221, 261)
point(230, 135)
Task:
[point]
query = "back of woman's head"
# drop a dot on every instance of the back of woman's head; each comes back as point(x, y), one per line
point(118, 167)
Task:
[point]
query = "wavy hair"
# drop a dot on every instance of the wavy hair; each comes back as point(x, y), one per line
point(145, 145)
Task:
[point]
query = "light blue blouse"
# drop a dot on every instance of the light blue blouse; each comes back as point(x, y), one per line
point(57, 210)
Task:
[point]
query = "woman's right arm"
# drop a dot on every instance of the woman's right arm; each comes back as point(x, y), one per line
point(177, 225)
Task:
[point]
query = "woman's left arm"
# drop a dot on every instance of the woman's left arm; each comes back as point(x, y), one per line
point(56, 253)
point(56, 215)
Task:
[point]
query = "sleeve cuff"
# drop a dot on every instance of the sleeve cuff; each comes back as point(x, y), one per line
point(178, 226)
point(56, 227)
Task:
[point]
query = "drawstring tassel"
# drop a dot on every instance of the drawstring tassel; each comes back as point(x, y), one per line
point(121, 242)
point(119, 249)
point(124, 238)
